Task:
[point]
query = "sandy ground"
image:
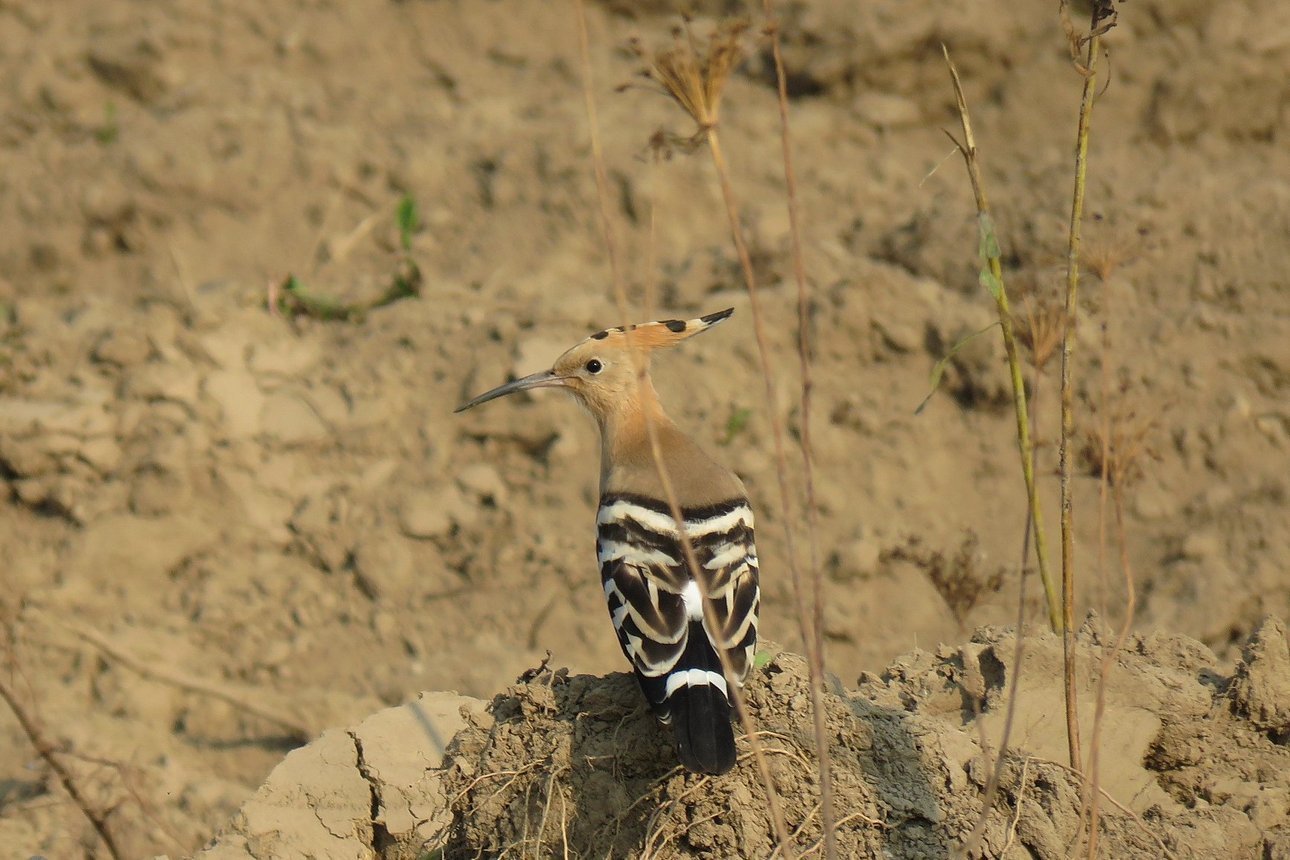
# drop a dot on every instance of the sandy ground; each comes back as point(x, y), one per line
point(227, 531)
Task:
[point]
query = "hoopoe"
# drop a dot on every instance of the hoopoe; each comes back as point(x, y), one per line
point(655, 602)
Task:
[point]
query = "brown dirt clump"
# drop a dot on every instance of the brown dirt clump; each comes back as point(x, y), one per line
point(574, 766)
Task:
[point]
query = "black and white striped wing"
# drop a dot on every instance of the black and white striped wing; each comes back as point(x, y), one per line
point(656, 604)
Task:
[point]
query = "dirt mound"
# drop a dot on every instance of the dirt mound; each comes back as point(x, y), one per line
point(567, 765)
point(576, 765)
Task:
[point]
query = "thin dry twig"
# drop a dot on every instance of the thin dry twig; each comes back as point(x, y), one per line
point(846, 819)
point(48, 751)
point(1014, 687)
point(1110, 798)
point(551, 790)
point(675, 70)
point(1016, 813)
point(1103, 15)
point(715, 66)
point(815, 649)
point(128, 776)
point(298, 729)
point(1117, 469)
point(495, 774)
point(1034, 520)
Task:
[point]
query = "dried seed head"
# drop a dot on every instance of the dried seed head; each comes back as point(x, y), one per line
point(1121, 440)
point(1102, 259)
point(694, 77)
point(1040, 329)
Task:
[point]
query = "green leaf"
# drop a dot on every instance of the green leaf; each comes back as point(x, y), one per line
point(988, 245)
point(110, 130)
point(762, 659)
point(991, 283)
point(938, 370)
point(736, 424)
point(408, 219)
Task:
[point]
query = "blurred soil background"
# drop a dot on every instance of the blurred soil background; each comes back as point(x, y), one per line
point(281, 509)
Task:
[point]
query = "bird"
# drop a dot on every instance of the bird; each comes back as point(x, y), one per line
point(656, 597)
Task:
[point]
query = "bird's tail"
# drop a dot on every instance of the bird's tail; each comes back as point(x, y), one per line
point(699, 707)
point(705, 740)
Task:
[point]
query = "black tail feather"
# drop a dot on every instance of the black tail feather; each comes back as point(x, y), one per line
point(705, 740)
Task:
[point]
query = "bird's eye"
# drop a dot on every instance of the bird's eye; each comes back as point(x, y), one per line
point(594, 366)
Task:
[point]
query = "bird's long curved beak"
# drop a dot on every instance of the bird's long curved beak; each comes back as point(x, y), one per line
point(544, 379)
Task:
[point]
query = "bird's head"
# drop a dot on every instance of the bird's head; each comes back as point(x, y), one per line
point(603, 370)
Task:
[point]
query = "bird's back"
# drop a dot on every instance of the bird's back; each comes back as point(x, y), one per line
point(656, 602)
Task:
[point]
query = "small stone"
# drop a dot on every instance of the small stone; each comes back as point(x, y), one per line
point(1261, 688)
point(423, 515)
point(321, 523)
point(22, 418)
point(227, 346)
point(51, 492)
point(331, 407)
point(239, 399)
point(484, 483)
point(26, 458)
point(378, 474)
point(122, 347)
point(107, 201)
point(136, 68)
point(288, 357)
point(383, 564)
point(287, 418)
point(384, 625)
point(156, 492)
point(1202, 546)
point(103, 453)
point(463, 511)
point(177, 383)
point(902, 336)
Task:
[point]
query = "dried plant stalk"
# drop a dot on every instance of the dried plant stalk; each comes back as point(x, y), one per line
point(989, 244)
point(1034, 521)
point(49, 753)
point(696, 84)
point(815, 652)
point(1103, 17)
point(620, 293)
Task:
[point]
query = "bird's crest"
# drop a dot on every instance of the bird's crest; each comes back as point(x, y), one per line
point(660, 333)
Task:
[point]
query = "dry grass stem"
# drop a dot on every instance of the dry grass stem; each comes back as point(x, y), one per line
point(1103, 15)
point(696, 84)
point(49, 753)
point(973, 841)
point(298, 729)
point(1119, 455)
point(620, 294)
point(1128, 813)
point(993, 278)
point(1016, 812)
point(815, 650)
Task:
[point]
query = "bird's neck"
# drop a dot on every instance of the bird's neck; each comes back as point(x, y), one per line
point(627, 461)
point(625, 430)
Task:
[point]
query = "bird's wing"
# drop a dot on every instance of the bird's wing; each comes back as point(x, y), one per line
point(655, 602)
